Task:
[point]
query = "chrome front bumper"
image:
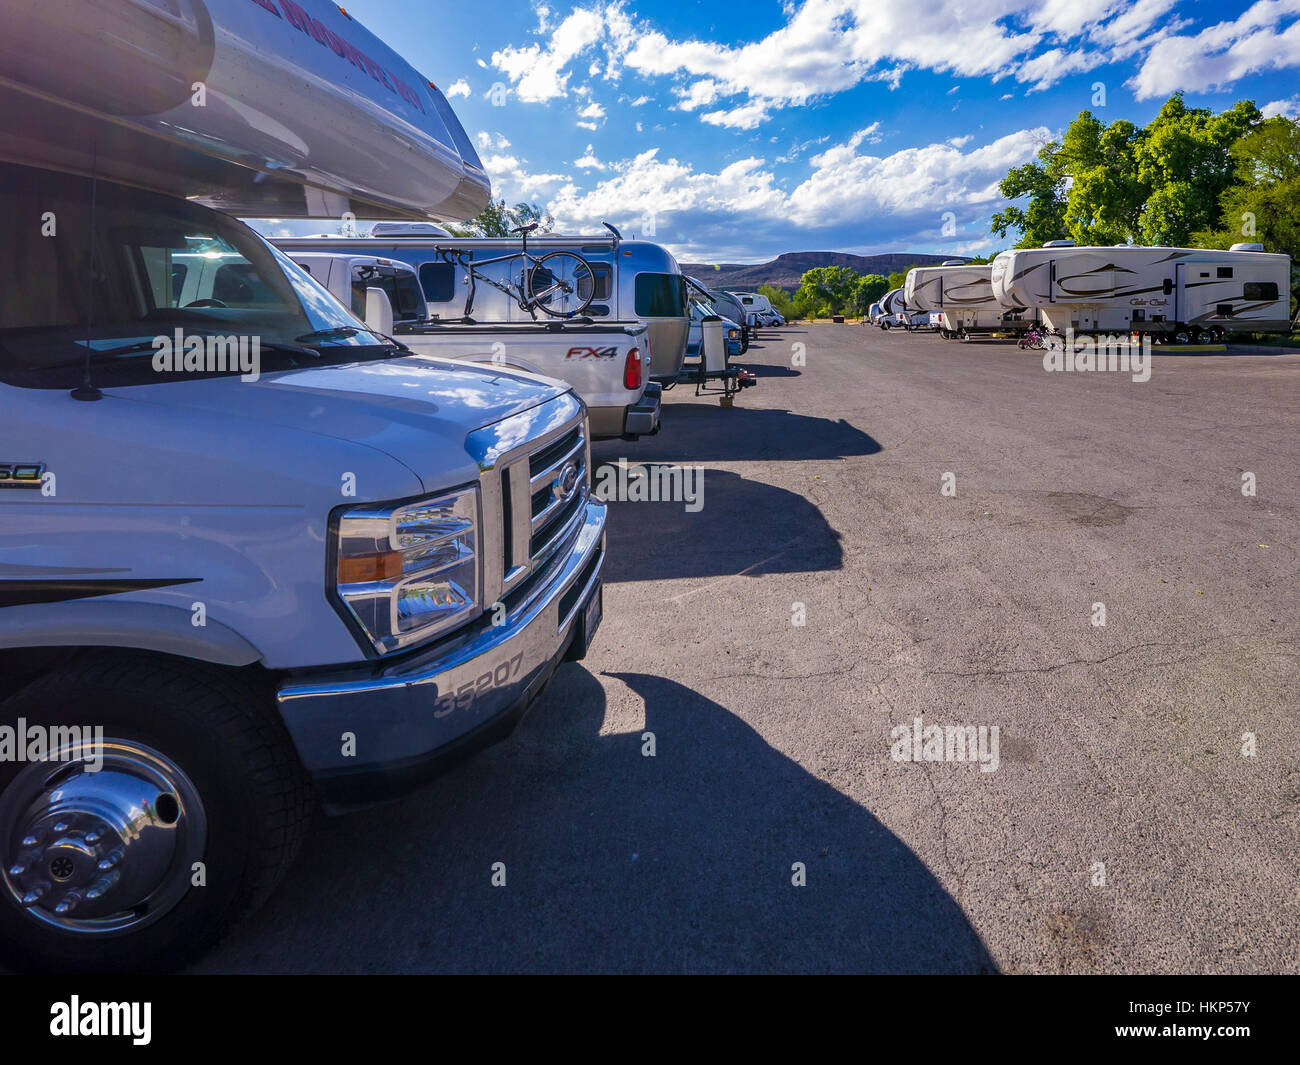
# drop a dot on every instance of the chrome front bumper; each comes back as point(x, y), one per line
point(413, 718)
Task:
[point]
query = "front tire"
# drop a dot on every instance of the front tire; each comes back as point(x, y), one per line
point(196, 813)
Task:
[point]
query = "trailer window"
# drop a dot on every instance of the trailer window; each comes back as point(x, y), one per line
point(1260, 290)
point(438, 281)
point(601, 275)
point(660, 296)
point(1225, 271)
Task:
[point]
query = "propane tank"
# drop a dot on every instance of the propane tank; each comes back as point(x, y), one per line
point(714, 345)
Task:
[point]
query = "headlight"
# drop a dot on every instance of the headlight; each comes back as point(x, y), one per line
point(410, 572)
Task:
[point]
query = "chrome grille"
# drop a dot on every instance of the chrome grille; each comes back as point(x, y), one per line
point(534, 492)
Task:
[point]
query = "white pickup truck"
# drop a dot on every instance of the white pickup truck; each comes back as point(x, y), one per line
point(607, 363)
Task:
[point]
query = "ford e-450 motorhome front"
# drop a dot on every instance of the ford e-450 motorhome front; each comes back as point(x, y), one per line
point(254, 556)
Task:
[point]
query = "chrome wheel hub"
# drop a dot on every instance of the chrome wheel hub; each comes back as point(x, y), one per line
point(102, 851)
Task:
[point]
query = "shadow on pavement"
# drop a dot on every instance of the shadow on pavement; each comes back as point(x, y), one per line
point(614, 862)
point(662, 540)
point(705, 432)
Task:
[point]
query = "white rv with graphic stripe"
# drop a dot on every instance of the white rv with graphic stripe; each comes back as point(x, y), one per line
point(962, 293)
point(1186, 292)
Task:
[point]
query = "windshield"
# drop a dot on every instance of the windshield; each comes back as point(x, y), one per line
point(166, 272)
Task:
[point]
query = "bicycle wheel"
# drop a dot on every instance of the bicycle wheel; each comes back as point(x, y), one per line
point(560, 284)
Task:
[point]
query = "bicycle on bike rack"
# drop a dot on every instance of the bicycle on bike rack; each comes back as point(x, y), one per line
point(561, 284)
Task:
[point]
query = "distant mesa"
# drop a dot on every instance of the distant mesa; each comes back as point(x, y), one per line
point(786, 270)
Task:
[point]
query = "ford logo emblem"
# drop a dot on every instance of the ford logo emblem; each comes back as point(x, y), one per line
point(565, 481)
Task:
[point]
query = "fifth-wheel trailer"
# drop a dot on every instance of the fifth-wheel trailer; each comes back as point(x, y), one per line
point(1184, 293)
point(962, 294)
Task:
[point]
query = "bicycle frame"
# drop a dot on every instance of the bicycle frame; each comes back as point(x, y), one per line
point(465, 260)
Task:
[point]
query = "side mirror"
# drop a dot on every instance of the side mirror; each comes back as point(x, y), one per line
point(379, 311)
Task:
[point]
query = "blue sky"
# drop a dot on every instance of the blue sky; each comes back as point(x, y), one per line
point(739, 130)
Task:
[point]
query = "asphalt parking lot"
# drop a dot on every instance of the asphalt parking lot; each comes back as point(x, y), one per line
point(1124, 829)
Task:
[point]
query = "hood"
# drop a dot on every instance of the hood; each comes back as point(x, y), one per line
point(416, 409)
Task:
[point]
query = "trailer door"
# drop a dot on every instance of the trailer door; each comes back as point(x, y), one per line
point(1180, 292)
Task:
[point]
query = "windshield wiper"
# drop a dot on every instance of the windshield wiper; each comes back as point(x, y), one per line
point(342, 332)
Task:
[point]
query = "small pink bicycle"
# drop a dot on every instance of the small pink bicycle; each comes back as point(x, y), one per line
point(1035, 338)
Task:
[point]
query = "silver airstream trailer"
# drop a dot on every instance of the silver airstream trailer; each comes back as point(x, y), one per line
point(634, 280)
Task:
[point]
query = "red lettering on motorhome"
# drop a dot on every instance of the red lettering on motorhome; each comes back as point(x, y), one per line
point(344, 49)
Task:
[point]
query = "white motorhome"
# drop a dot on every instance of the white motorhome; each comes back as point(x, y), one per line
point(757, 308)
point(220, 553)
point(962, 295)
point(634, 280)
point(1184, 293)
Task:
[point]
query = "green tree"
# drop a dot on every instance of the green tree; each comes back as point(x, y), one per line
point(1185, 160)
point(1041, 184)
point(1112, 184)
point(497, 220)
point(779, 299)
point(831, 285)
point(1263, 204)
point(869, 288)
point(899, 277)
point(1106, 196)
point(809, 303)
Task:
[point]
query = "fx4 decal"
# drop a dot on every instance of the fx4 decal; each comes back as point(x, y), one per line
point(592, 353)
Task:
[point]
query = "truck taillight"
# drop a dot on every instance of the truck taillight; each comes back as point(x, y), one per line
point(632, 369)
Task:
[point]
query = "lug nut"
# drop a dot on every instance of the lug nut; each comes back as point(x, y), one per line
point(68, 903)
point(110, 861)
point(101, 887)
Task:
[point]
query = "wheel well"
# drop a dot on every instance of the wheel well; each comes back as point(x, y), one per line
point(19, 666)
